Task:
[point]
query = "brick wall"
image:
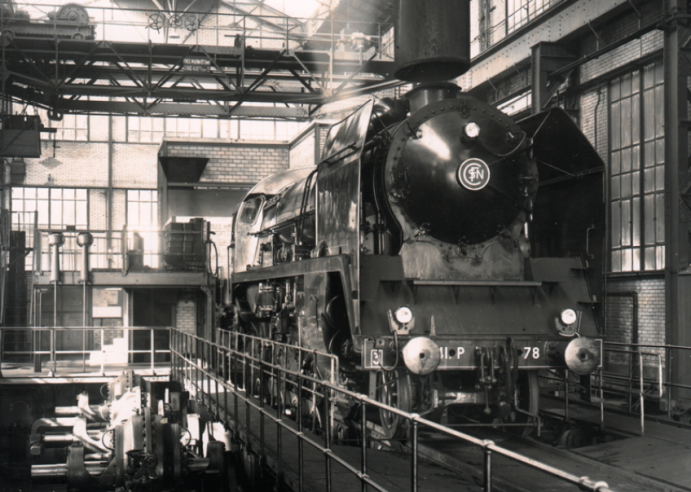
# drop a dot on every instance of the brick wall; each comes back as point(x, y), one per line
point(233, 162)
point(76, 164)
point(650, 293)
point(134, 165)
point(594, 119)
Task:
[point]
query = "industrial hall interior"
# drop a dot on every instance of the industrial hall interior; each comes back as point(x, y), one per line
point(345, 245)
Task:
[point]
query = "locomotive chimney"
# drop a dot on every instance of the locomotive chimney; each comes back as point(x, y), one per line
point(432, 40)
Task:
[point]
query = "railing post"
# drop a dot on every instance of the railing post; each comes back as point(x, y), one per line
point(327, 435)
point(279, 425)
point(487, 487)
point(641, 390)
point(301, 467)
point(668, 362)
point(363, 445)
point(602, 400)
point(414, 446)
point(261, 405)
point(153, 350)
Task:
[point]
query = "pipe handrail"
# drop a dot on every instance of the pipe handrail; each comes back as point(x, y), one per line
point(183, 363)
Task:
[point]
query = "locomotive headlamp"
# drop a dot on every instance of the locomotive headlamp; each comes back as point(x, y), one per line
point(403, 315)
point(568, 316)
point(472, 130)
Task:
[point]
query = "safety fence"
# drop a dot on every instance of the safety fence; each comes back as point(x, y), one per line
point(642, 373)
point(634, 384)
point(126, 250)
point(83, 351)
point(273, 380)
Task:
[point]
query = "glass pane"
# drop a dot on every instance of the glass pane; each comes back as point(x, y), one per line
point(145, 195)
point(616, 123)
point(626, 260)
point(616, 261)
point(649, 154)
point(626, 122)
point(636, 260)
point(649, 180)
point(616, 224)
point(650, 257)
point(616, 187)
point(68, 213)
point(42, 193)
point(616, 163)
point(626, 222)
point(660, 257)
point(626, 185)
point(635, 157)
point(82, 221)
point(649, 214)
point(68, 194)
point(626, 160)
point(659, 115)
point(56, 213)
point(81, 194)
point(636, 222)
point(625, 85)
point(56, 194)
point(615, 94)
point(28, 192)
point(649, 110)
point(636, 183)
point(42, 211)
point(635, 119)
point(132, 195)
point(660, 178)
point(133, 213)
point(145, 214)
point(660, 218)
point(649, 76)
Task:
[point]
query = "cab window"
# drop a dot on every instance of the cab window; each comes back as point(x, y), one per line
point(250, 210)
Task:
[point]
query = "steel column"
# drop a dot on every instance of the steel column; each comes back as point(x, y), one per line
point(676, 68)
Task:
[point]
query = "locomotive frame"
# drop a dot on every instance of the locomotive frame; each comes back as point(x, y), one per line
point(444, 310)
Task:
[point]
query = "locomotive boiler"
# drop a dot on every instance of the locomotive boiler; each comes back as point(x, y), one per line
point(444, 252)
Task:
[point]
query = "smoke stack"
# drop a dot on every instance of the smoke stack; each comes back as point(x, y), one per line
point(432, 40)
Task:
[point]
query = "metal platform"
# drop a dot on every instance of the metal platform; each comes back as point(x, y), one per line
point(663, 454)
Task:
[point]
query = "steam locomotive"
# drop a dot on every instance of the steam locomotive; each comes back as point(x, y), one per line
point(444, 253)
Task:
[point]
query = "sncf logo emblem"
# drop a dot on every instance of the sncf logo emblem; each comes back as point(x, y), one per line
point(473, 174)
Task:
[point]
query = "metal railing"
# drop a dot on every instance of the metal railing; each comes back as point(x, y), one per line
point(200, 365)
point(83, 351)
point(127, 250)
point(633, 384)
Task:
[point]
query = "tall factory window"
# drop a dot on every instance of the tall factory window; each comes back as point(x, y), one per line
point(520, 12)
point(50, 208)
point(637, 171)
point(144, 129)
point(142, 221)
point(183, 127)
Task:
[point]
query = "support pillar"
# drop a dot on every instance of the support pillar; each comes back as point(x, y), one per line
point(677, 277)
